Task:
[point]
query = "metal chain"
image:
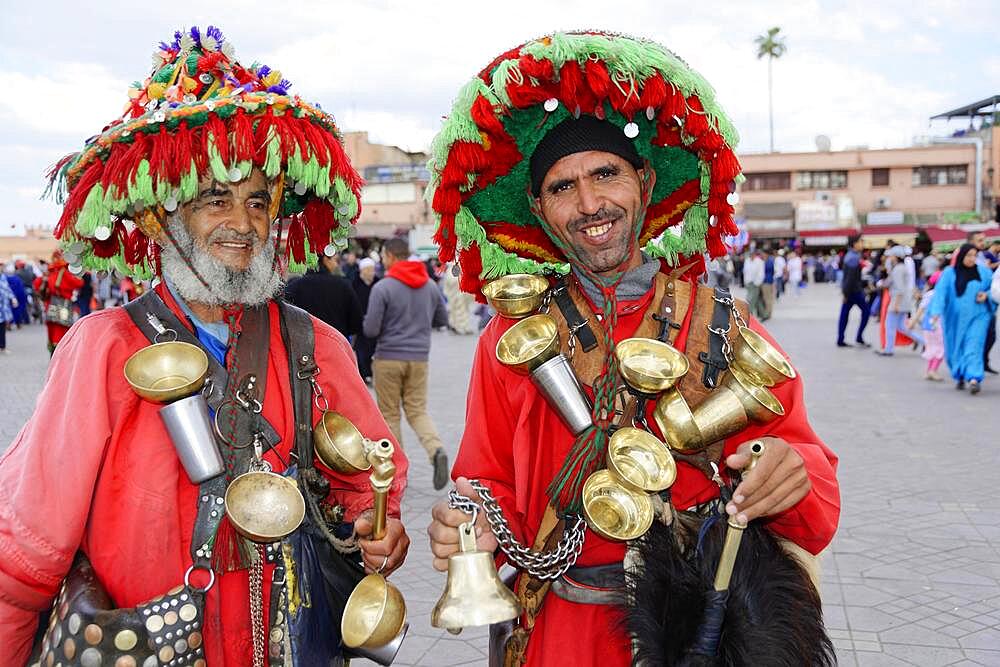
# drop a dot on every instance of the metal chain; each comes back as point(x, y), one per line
point(545, 565)
point(257, 606)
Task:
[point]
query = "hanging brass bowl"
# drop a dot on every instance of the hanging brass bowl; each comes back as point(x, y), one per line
point(374, 614)
point(650, 366)
point(529, 344)
point(676, 422)
point(339, 444)
point(264, 506)
point(165, 372)
point(760, 360)
point(759, 403)
point(640, 461)
point(613, 511)
point(516, 295)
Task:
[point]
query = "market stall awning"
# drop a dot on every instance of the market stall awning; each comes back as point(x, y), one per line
point(834, 236)
point(877, 236)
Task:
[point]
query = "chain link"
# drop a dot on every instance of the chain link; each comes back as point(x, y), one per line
point(257, 606)
point(545, 565)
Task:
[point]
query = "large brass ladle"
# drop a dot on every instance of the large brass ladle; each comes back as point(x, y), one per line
point(375, 613)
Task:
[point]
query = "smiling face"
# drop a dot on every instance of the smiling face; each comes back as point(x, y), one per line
point(590, 201)
point(230, 220)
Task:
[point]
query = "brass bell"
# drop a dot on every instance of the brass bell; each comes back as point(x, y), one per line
point(474, 594)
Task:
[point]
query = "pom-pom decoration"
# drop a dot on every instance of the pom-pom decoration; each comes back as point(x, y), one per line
point(480, 158)
point(202, 112)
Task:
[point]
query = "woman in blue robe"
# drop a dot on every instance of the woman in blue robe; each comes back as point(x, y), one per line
point(17, 287)
point(962, 302)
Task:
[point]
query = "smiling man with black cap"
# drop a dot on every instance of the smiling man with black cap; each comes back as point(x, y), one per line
point(604, 163)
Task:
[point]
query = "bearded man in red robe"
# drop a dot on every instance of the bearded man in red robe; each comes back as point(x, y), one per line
point(148, 564)
point(604, 164)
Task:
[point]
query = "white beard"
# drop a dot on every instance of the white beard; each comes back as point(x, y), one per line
point(256, 285)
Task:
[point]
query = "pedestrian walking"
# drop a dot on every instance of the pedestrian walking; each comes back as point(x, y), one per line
point(964, 306)
point(460, 303)
point(56, 291)
point(753, 278)
point(402, 310)
point(767, 288)
point(853, 288)
point(17, 287)
point(327, 296)
point(364, 347)
point(932, 333)
point(897, 302)
point(8, 302)
point(780, 274)
point(85, 294)
point(795, 272)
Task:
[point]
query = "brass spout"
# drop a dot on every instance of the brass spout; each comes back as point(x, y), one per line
point(734, 532)
point(379, 456)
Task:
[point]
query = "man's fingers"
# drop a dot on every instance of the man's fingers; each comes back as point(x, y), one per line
point(756, 477)
point(440, 564)
point(464, 488)
point(762, 480)
point(784, 496)
point(441, 550)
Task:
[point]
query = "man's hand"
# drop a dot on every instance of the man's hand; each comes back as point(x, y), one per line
point(395, 544)
point(443, 530)
point(777, 482)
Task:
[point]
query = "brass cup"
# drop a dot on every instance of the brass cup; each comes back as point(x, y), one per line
point(650, 366)
point(760, 360)
point(720, 415)
point(165, 372)
point(374, 614)
point(339, 444)
point(264, 506)
point(676, 422)
point(529, 344)
point(759, 403)
point(639, 461)
point(516, 295)
point(613, 511)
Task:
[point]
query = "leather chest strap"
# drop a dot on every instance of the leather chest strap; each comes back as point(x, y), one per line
point(574, 320)
point(715, 359)
point(300, 343)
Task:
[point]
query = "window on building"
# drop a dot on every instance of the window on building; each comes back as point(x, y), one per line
point(768, 180)
point(955, 174)
point(821, 180)
point(880, 177)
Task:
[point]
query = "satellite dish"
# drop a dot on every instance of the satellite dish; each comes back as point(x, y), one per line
point(823, 143)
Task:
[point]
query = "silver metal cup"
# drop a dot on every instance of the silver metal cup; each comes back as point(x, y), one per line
point(383, 655)
point(557, 382)
point(190, 428)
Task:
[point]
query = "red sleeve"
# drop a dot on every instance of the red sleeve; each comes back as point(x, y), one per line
point(813, 521)
point(347, 394)
point(487, 449)
point(48, 475)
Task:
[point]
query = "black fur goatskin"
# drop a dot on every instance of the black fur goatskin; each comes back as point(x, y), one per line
point(774, 616)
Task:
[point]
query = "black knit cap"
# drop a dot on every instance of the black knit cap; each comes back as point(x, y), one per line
point(576, 135)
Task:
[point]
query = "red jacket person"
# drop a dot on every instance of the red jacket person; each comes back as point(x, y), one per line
point(604, 164)
point(143, 560)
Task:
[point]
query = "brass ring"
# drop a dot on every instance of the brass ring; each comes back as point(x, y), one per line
point(211, 577)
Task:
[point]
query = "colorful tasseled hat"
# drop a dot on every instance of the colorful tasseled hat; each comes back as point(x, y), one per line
point(480, 163)
point(201, 112)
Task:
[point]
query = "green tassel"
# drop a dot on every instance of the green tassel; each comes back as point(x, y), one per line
point(272, 161)
point(189, 184)
point(219, 170)
point(322, 188)
point(93, 214)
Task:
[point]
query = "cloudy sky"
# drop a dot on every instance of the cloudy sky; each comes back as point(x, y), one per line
point(865, 72)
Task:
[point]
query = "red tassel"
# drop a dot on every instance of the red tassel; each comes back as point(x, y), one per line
point(539, 69)
point(445, 237)
point(725, 166)
point(229, 551)
point(654, 91)
point(77, 196)
point(472, 266)
point(598, 79)
point(215, 129)
point(573, 92)
point(241, 136)
point(695, 122)
point(183, 143)
point(319, 221)
point(295, 242)
point(111, 246)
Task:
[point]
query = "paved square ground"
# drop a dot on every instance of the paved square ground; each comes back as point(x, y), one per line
point(913, 576)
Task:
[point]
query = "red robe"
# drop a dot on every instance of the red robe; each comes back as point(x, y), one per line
point(94, 469)
point(69, 284)
point(515, 444)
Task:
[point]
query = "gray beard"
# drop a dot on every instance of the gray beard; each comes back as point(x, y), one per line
point(256, 285)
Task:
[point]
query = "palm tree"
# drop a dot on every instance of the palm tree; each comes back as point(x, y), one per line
point(772, 46)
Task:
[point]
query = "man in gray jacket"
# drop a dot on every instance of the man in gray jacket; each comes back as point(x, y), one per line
point(402, 310)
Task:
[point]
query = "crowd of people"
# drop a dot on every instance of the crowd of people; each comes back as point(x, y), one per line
point(48, 292)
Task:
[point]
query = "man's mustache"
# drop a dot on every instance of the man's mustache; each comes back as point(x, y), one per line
point(229, 235)
point(612, 215)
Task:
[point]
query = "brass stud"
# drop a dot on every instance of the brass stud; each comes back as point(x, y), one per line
point(180, 646)
point(200, 662)
point(125, 661)
point(93, 634)
point(126, 640)
point(151, 661)
point(166, 654)
point(279, 618)
point(91, 658)
point(277, 635)
point(194, 640)
point(188, 612)
point(154, 624)
point(170, 617)
point(69, 648)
